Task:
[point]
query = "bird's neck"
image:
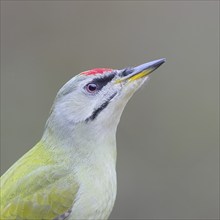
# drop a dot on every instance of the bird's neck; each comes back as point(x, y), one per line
point(79, 142)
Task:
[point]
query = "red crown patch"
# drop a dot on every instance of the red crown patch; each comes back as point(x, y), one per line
point(96, 71)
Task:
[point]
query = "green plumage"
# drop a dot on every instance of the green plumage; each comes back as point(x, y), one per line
point(36, 187)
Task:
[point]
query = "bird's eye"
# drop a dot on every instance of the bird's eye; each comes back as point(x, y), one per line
point(91, 87)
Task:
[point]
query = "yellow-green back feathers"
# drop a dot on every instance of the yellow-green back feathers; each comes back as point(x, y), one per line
point(36, 187)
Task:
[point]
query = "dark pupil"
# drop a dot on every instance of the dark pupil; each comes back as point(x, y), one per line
point(92, 87)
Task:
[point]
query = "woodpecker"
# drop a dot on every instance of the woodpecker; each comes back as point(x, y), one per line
point(70, 173)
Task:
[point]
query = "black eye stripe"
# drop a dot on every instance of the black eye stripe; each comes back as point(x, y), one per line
point(101, 82)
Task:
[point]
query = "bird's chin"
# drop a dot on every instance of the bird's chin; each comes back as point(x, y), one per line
point(126, 91)
point(130, 87)
point(141, 81)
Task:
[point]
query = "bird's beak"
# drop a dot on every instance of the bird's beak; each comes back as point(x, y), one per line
point(134, 73)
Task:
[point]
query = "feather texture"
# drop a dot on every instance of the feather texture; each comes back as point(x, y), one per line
point(37, 188)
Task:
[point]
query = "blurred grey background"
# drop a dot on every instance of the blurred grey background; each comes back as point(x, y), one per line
point(168, 137)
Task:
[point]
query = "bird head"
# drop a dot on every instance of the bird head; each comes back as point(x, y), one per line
point(94, 100)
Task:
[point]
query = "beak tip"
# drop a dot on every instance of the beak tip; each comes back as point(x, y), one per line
point(150, 65)
point(160, 61)
point(163, 60)
point(156, 63)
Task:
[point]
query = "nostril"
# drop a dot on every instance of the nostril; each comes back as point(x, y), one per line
point(126, 71)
